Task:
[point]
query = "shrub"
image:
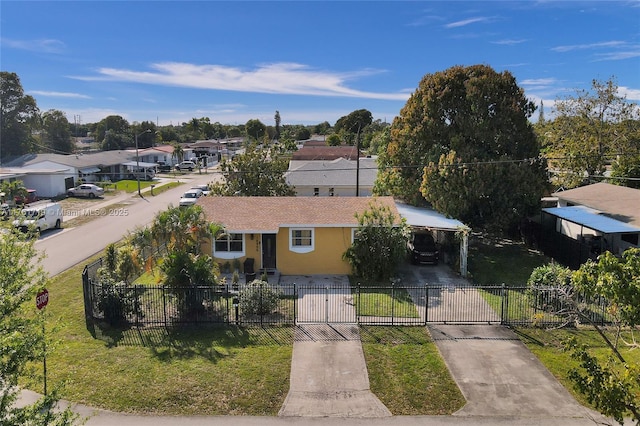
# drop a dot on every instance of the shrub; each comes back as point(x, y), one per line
point(546, 284)
point(259, 298)
point(116, 300)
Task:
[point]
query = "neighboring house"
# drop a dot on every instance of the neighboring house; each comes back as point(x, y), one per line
point(589, 220)
point(214, 149)
point(293, 235)
point(339, 177)
point(52, 174)
point(156, 154)
point(324, 152)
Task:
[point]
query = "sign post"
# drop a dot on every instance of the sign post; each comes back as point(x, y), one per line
point(42, 298)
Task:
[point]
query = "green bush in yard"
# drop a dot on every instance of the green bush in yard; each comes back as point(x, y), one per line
point(545, 286)
point(258, 298)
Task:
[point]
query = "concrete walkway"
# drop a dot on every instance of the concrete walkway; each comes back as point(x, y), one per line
point(502, 381)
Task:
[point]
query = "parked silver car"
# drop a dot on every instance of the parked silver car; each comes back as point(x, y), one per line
point(86, 190)
point(190, 197)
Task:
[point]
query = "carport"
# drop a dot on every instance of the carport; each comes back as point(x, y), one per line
point(423, 218)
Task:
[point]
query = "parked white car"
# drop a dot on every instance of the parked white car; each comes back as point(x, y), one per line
point(86, 190)
point(39, 217)
point(204, 188)
point(186, 165)
point(190, 197)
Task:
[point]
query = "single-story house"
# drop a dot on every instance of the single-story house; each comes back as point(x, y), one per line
point(592, 219)
point(339, 177)
point(159, 153)
point(307, 153)
point(293, 235)
point(52, 174)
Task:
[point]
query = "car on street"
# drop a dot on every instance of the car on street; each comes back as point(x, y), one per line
point(203, 187)
point(186, 165)
point(39, 217)
point(422, 248)
point(190, 197)
point(86, 190)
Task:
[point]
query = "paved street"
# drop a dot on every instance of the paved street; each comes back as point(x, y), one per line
point(70, 246)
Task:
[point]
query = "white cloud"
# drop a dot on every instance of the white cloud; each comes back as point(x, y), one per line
point(630, 94)
point(42, 45)
point(466, 22)
point(58, 94)
point(510, 42)
point(569, 48)
point(277, 78)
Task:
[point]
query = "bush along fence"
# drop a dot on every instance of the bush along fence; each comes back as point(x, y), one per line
point(262, 303)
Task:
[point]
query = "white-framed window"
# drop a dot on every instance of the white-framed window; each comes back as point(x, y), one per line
point(316, 192)
point(354, 234)
point(229, 246)
point(301, 240)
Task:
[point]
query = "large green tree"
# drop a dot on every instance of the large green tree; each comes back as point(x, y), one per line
point(469, 126)
point(591, 129)
point(114, 132)
point(57, 132)
point(21, 335)
point(612, 385)
point(255, 129)
point(257, 172)
point(18, 117)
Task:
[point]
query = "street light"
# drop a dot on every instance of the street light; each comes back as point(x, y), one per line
point(138, 161)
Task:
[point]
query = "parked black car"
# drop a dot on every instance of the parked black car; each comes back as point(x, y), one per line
point(422, 248)
point(163, 167)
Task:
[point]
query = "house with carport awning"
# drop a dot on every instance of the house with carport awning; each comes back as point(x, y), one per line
point(302, 235)
point(422, 218)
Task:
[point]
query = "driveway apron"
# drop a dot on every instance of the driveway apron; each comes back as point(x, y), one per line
point(329, 375)
point(495, 371)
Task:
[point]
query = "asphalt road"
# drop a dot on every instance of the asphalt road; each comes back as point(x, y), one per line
point(69, 246)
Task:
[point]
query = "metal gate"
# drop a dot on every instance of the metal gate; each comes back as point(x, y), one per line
point(323, 304)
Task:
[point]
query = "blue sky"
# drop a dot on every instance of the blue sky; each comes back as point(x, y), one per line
point(170, 61)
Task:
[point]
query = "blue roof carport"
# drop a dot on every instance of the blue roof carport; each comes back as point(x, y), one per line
point(421, 217)
point(592, 219)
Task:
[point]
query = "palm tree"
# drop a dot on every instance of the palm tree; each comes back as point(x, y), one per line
point(178, 152)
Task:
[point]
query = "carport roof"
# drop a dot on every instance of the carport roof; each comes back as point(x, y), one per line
point(427, 218)
point(592, 219)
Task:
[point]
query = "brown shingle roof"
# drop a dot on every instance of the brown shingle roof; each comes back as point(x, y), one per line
point(325, 153)
point(618, 202)
point(267, 214)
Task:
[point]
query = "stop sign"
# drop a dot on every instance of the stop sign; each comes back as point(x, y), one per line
point(42, 298)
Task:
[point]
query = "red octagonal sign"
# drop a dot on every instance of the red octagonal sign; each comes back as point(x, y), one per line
point(42, 299)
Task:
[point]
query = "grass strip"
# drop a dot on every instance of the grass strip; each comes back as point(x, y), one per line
point(407, 373)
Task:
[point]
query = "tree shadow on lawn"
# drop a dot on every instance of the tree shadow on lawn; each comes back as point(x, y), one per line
point(210, 342)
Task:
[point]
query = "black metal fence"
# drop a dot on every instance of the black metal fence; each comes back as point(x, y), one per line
point(276, 304)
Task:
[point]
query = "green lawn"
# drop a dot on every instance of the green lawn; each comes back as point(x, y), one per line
point(203, 371)
point(547, 345)
point(245, 371)
point(407, 373)
point(503, 261)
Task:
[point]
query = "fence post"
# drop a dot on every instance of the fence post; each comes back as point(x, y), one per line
point(393, 305)
point(164, 305)
point(295, 303)
point(326, 304)
point(357, 307)
point(136, 305)
point(503, 296)
point(426, 303)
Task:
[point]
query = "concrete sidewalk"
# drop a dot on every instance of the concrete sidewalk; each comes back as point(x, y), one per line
point(502, 381)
